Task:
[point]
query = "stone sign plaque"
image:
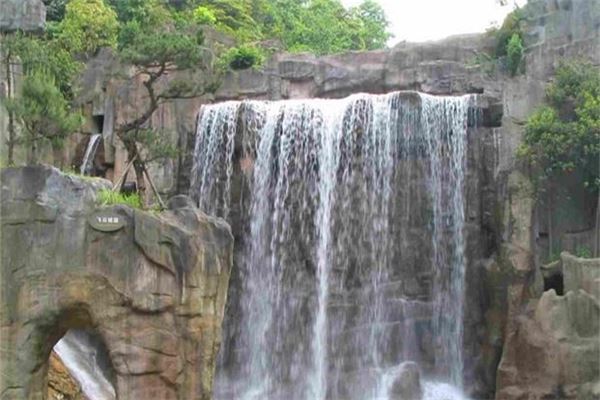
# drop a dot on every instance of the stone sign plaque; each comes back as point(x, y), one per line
point(106, 221)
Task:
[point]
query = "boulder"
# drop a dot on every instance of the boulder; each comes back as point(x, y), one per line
point(407, 384)
point(554, 350)
point(151, 286)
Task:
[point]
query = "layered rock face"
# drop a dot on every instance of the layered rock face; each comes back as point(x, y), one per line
point(152, 287)
point(24, 15)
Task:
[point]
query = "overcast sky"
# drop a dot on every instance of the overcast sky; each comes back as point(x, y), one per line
point(421, 20)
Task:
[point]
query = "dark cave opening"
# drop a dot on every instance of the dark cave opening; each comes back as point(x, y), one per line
point(554, 281)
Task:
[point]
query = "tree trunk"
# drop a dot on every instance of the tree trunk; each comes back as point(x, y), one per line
point(11, 119)
point(139, 168)
point(597, 233)
point(33, 153)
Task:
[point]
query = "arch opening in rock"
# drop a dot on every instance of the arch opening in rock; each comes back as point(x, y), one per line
point(85, 358)
point(79, 364)
point(554, 281)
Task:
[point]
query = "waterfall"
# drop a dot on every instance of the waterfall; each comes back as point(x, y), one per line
point(90, 153)
point(353, 257)
point(79, 352)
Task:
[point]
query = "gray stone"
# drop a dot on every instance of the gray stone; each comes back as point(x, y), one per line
point(407, 384)
point(23, 15)
point(180, 201)
point(581, 273)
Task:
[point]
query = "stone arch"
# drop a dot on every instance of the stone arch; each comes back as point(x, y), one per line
point(71, 322)
point(153, 287)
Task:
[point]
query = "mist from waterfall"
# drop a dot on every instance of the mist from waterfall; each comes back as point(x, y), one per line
point(342, 194)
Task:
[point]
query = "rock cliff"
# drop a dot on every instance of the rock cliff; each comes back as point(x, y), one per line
point(152, 286)
point(24, 15)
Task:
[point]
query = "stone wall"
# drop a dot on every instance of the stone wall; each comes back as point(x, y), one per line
point(554, 351)
point(24, 15)
point(153, 288)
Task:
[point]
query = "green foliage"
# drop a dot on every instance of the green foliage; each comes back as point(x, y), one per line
point(87, 26)
point(373, 25)
point(35, 53)
point(511, 26)
point(242, 57)
point(205, 16)
point(55, 10)
point(583, 252)
point(108, 197)
point(565, 135)
point(514, 54)
point(233, 17)
point(509, 41)
point(319, 26)
point(42, 111)
point(325, 26)
point(159, 48)
point(155, 142)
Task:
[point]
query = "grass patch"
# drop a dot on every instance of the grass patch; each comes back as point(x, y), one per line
point(107, 197)
point(76, 174)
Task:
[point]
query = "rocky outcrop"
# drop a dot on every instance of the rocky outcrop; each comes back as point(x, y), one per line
point(152, 286)
point(61, 384)
point(552, 350)
point(23, 15)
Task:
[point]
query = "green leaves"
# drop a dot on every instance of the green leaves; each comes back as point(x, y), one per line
point(318, 26)
point(565, 135)
point(514, 53)
point(43, 111)
point(87, 26)
point(325, 26)
point(242, 57)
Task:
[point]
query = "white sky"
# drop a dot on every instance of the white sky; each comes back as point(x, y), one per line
point(422, 20)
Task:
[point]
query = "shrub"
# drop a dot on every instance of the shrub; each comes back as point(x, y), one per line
point(565, 135)
point(510, 27)
point(242, 57)
point(87, 26)
point(205, 16)
point(514, 54)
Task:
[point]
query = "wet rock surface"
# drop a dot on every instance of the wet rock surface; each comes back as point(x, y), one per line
point(154, 290)
point(407, 385)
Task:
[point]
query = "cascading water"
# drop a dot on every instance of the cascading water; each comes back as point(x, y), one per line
point(90, 153)
point(79, 352)
point(353, 260)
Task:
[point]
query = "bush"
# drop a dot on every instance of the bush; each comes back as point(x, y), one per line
point(242, 57)
point(87, 26)
point(108, 197)
point(514, 54)
point(509, 41)
point(510, 27)
point(205, 16)
point(565, 135)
